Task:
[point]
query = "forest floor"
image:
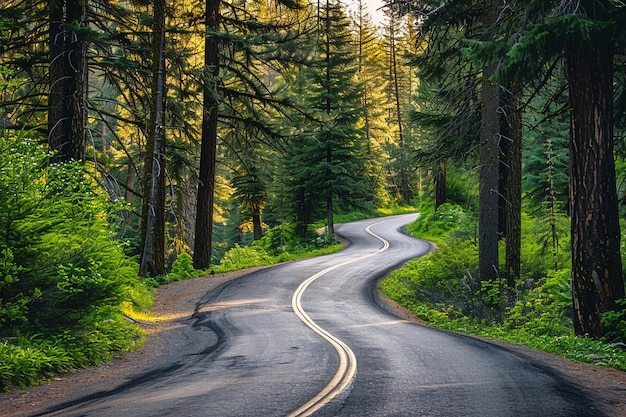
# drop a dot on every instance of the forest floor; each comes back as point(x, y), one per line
point(176, 301)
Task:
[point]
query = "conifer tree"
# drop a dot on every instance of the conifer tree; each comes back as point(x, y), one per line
point(153, 213)
point(334, 159)
point(373, 77)
point(586, 32)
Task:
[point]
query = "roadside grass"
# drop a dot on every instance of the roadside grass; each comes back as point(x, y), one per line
point(31, 359)
point(440, 290)
point(564, 344)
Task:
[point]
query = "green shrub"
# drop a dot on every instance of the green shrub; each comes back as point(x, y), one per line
point(546, 308)
point(614, 323)
point(182, 268)
point(244, 257)
point(62, 276)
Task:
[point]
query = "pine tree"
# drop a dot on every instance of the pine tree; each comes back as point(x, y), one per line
point(597, 280)
point(325, 158)
point(153, 214)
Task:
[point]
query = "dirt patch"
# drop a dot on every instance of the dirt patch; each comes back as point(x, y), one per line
point(607, 387)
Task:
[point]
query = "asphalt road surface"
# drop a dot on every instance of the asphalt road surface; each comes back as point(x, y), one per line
point(307, 338)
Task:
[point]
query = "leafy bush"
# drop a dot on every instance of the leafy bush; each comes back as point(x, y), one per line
point(614, 323)
point(449, 221)
point(182, 268)
point(545, 309)
point(62, 276)
point(244, 257)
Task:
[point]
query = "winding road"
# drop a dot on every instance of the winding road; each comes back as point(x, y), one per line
point(308, 338)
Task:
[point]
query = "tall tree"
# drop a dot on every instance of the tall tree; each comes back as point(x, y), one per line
point(67, 113)
point(153, 213)
point(597, 281)
point(489, 160)
point(208, 145)
point(511, 179)
point(337, 99)
point(373, 77)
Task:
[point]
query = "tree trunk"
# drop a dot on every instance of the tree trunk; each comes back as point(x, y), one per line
point(153, 209)
point(257, 227)
point(440, 185)
point(67, 100)
point(511, 129)
point(208, 148)
point(404, 181)
point(597, 280)
point(57, 69)
point(489, 167)
point(329, 151)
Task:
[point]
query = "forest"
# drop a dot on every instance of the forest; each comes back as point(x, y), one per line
point(150, 141)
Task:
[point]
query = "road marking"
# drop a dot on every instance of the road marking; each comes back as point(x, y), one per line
point(347, 361)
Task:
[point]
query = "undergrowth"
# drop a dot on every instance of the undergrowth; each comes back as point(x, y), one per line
point(441, 290)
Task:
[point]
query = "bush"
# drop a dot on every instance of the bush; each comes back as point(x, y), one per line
point(614, 323)
point(62, 276)
point(182, 268)
point(244, 257)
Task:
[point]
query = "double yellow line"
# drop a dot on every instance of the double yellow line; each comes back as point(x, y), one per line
point(347, 361)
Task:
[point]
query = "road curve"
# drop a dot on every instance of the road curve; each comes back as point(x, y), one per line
point(261, 346)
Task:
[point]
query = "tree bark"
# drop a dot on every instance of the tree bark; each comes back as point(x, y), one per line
point(489, 167)
point(57, 73)
point(329, 151)
point(208, 148)
point(597, 280)
point(257, 226)
point(67, 98)
point(153, 210)
point(511, 128)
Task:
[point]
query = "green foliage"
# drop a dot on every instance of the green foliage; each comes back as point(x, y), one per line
point(545, 309)
point(280, 244)
point(182, 268)
point(62, 277)
point(614, 323)
point(440, 290)
point(26, 359)
point(244, 257)
point(450, 220)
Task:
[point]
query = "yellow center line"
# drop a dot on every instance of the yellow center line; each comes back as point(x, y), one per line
point(347, 360)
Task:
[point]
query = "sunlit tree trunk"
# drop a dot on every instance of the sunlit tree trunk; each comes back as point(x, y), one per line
point(208, 147)
point(153, 210)
point(404, 180)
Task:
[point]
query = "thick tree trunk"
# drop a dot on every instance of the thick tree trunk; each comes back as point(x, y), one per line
point(489, 166)
point(67, 99)
point(511, 129)
point(488, 191)
point(597, 280)
point(57, 73)
point(78, 86)
point(208, 148)
point(153, 210)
